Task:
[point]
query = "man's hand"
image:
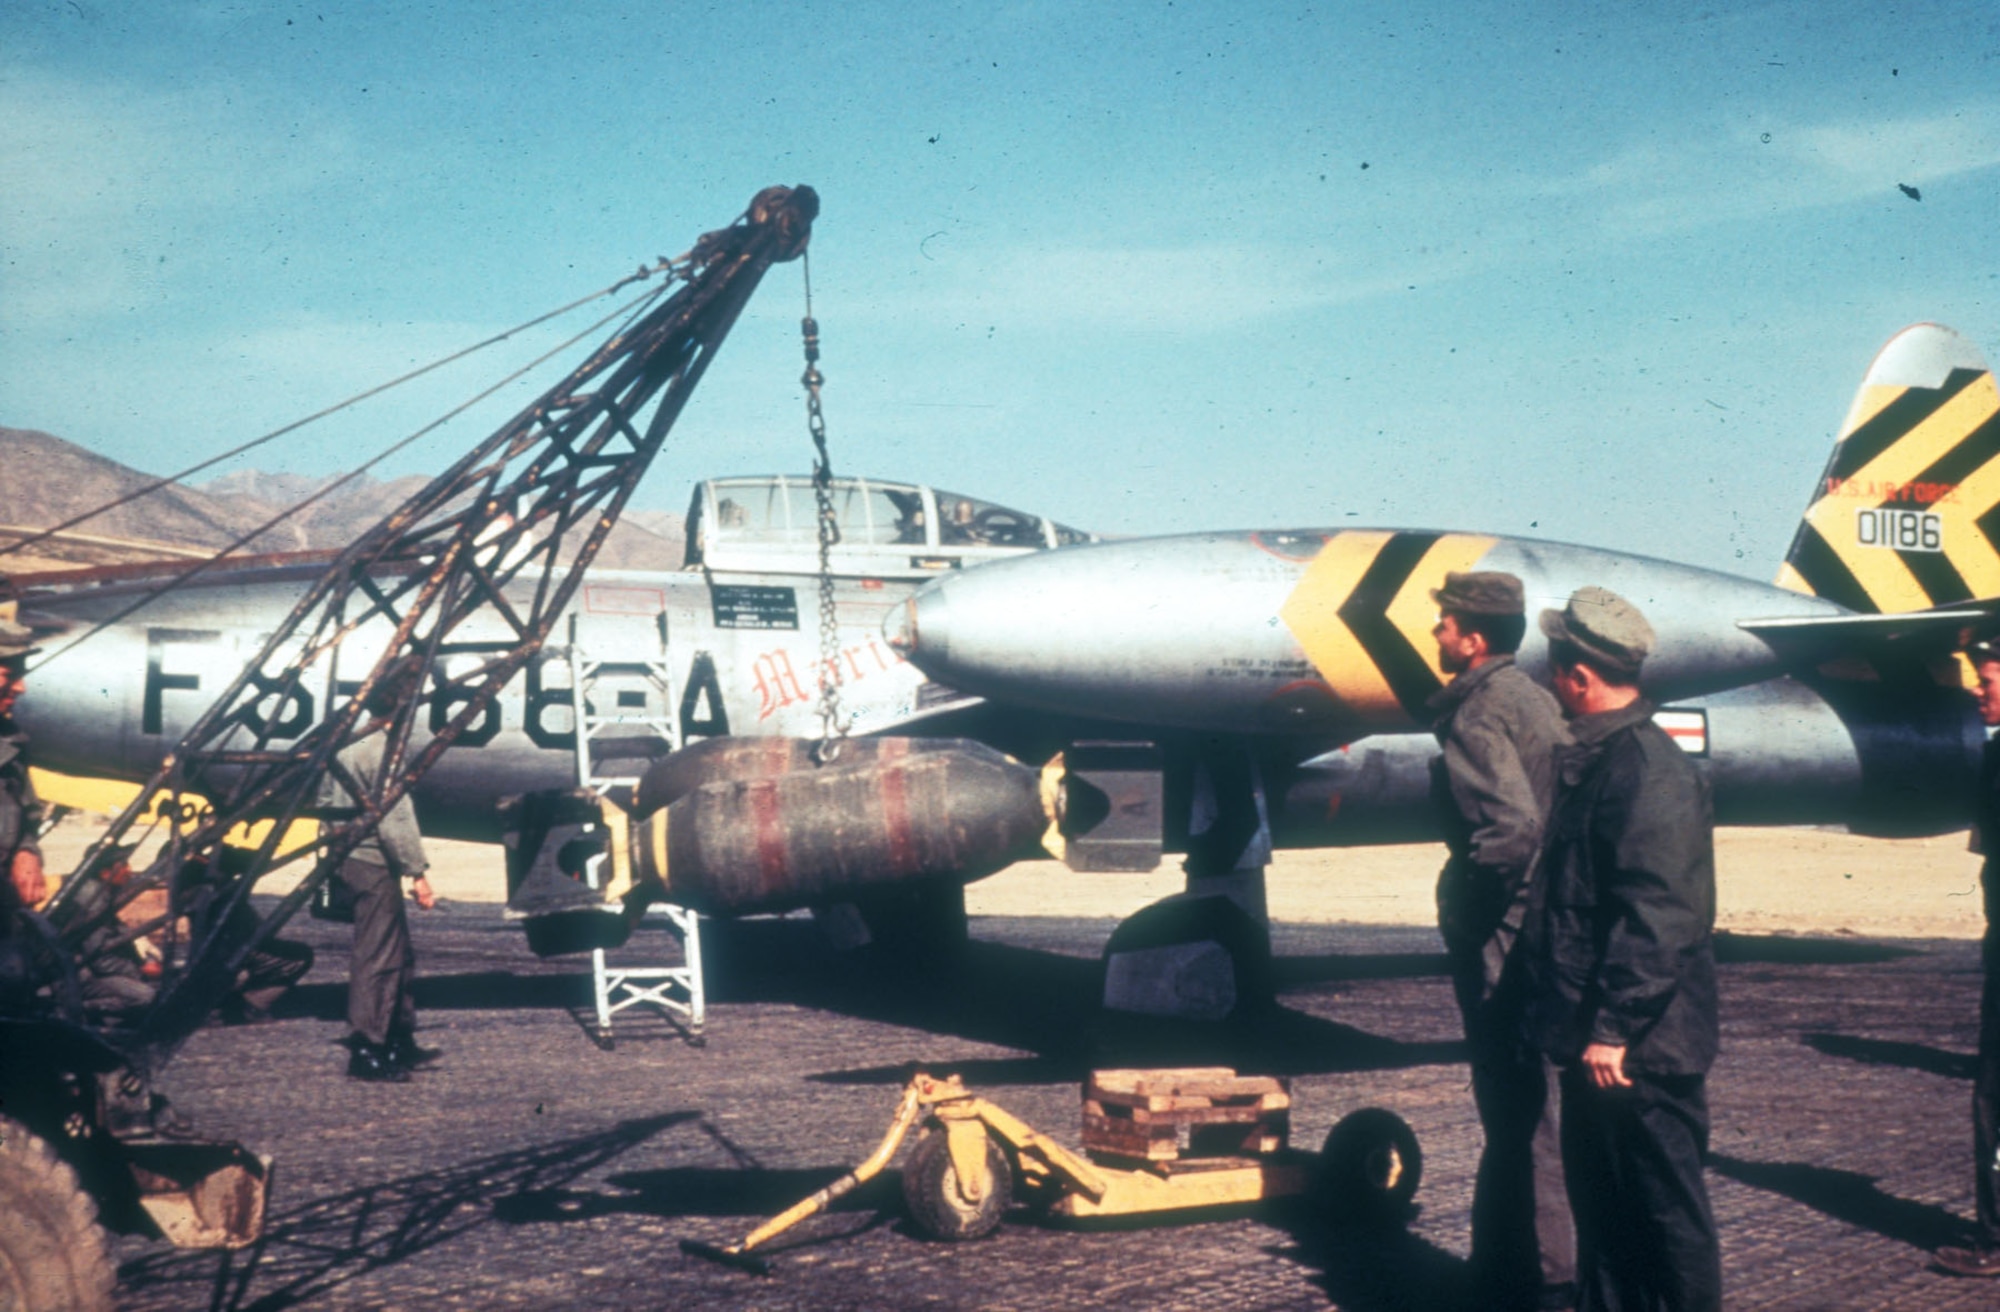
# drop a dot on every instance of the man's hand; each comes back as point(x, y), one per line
point(1605, 1064)
point(30, 884)
point(420, 890)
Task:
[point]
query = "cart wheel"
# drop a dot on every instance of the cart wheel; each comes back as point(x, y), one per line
point(1370, 1167)
point(930, 1190)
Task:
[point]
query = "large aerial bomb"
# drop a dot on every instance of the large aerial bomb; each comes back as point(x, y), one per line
point(717, 760)
point(948, 810)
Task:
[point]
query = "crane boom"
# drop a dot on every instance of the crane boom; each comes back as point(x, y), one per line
point(532, 502)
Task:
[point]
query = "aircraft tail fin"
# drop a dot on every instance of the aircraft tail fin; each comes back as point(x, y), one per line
point(1907, 514)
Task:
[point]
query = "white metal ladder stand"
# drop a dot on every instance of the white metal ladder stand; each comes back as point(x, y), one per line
point(675, 990)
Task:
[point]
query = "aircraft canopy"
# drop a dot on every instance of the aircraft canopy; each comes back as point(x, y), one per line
point(771, 523)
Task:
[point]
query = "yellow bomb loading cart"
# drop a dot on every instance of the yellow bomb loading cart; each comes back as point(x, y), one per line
point(1154, 1141)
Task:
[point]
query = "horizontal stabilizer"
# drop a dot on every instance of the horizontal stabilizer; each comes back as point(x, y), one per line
point(1922, 632)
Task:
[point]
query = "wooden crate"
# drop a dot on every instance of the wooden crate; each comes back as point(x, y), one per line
point(1196, 1111)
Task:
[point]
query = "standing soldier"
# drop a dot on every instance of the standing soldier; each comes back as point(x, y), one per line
point(381, 1006)
point(1621, 972)
point(1492, 784)
point(1983, 1258)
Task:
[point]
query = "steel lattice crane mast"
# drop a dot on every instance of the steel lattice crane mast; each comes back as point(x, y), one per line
point(534, 501)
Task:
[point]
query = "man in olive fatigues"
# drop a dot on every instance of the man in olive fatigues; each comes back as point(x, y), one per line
point(1621, 972)
point(1983, 1257)
point(380, 1004)
point(1492, 784)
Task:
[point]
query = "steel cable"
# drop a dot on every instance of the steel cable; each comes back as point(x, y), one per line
point(644, 272)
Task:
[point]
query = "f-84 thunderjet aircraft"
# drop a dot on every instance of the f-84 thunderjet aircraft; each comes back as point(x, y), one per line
point(645, 676)
point(729, 646)
point(1292, 668)
point(1212, 694)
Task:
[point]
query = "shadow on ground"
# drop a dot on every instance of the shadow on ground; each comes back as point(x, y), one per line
point(695, 1191)
point(1850, 1197)
point(1039, 1001)
point(311, 1251)
point(1885, 1052)
point(1791, 950)
point(1375, 1268)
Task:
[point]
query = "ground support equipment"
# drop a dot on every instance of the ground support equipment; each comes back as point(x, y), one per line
point(1148, 1140)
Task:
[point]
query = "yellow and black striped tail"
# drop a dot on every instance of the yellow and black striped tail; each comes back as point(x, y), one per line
point(1907, 515)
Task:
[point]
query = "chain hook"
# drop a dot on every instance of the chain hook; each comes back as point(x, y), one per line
point(832, 725)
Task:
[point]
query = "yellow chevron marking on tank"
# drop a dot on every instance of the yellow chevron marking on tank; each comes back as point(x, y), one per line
point(1312, 613)
point(1413, 612)
point(1327, 587)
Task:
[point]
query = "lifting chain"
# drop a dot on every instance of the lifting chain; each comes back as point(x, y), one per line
point(832, 727)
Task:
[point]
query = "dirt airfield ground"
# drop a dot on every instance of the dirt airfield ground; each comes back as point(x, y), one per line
point(1808, 882)
point(1851, 974)
point(1839, 1154)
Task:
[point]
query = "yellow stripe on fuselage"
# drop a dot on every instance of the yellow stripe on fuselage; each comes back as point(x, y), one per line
point(111, 796)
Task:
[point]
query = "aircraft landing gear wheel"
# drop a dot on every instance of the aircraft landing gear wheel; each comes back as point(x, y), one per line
point(1370, 1168)
point(919, 931)
point(53, 1254)
point(930, 1190)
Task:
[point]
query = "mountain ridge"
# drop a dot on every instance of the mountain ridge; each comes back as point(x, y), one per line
point(71, 480)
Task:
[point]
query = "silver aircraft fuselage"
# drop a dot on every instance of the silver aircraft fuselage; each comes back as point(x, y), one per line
point(1323, 633)
point(707, 654)
point(1314, 648)
point(1324, 637)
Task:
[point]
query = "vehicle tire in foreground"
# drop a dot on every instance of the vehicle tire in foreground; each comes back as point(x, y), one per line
point(53, 1254)
point(931, 1191)
point(1370, 1168)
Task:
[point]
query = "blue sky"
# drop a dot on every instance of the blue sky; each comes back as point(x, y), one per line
point(1588, 272)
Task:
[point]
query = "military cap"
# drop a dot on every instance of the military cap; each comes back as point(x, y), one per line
point(1984, 651)
point(1603, 626)
point(1480, 592)
point(16, 640)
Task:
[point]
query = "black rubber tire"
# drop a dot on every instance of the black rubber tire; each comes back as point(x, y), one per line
point(1182, 919)
point(54, 1256)
point(917, 930)
point(1370, 1168)
point(930, 1191)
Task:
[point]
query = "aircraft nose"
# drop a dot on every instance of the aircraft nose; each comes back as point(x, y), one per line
point(917, 629)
